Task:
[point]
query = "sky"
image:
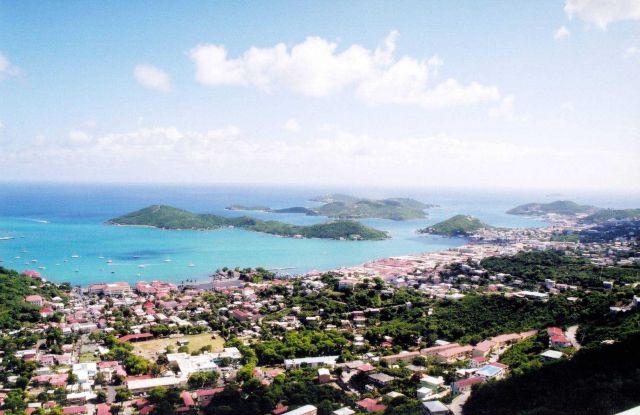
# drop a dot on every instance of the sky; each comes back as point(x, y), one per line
point(480, 94)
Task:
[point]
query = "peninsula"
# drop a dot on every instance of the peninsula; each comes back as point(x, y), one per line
point(350, 207)
point(459, 225)
point(559, 207)
point(167, 217)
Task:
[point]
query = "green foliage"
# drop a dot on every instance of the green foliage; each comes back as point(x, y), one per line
point(343, 206)
point(536, 266)
point(203, 379)
point(524, 356)
point(616, 214)
point(168, 217)
point(596, 381)
point(300, 344)
point(560, 207)
point(458, 225)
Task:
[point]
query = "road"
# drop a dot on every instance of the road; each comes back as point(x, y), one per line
point(571, 335)
point(458, 402)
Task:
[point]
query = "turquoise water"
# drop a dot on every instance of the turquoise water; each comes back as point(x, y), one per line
point(53, 224)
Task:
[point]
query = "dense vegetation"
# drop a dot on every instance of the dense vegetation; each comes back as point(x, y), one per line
point(14, 311)
point(536, 266)
point(168, 217)
point(459, 225)
point(596, 381)
point(610, 327)
point(616, 214)
point(559, 207)
point(603, 232)
point(300, 344)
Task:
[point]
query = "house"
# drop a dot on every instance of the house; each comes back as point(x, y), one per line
point(431, 382)
point(432, 351)
point(454, 353)
point(303, 410)
point(465, 384)
point(137, 337)
point(138, 386)
point(483, 348)
point(34, 300)
point(423, 393)
point(559, 341)
point(371, 405)
point(324, 376)
point(204, 396)
point(551, 355)
point(434, 408)
point(493, 371)
point(116, 289)
point(506, 339)
point(311, 361)
point(72, 410)
point(381, 379)
point(404, 356)
point(343, 411)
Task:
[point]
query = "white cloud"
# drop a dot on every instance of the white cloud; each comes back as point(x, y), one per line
point(292, 125)
point(152, 77)
point(603, 12)
point(631, 51)
point(332, 156)
point(506, 110)
point(315, 67)
point(7, 69)
point(567, 106)
point(561, 33)
point(79, 137)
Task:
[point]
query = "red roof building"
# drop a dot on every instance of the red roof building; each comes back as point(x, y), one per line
point(371, 405)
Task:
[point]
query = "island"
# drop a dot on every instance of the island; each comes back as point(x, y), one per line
point(604, 215)
point(459, 225)
point(342, 206)
point(168, 217)
point(559, 207)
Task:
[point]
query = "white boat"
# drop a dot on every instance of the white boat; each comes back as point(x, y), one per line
point(101, 257)
point(42, 267)
point(167, 260)
point(192, 265)
point(141, 266)
point(109, 261)
point(75, 256)
point(6, 238)
point(34, 260)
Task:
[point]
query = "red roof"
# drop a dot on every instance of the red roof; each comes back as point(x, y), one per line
point(187, 399)
point(280, 410)
point(74, 410)
point(139, 336)
point(559, 339)
point(469, 381)
point(365, 367)
point(554, 331)
point(208, 392)
point(371, 405)
point(103, 409)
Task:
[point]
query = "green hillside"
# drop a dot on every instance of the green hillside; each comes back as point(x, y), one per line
point(459, 225)
point(167, 217)
point(615, 214)
point(559, 207)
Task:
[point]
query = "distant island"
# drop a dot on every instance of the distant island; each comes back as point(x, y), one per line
point(559, 207)
point(167, 217)
point(603, 215)
point(350, 207)
point(459, 225)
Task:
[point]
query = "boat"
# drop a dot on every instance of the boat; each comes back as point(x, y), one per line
point(75, 256)
point(109, 261)
point(34, 260)
point(101, 257)
point(6, 238)
point(17, 257)
point(192, 265)
point(41, 267)
point(167, 260)
point(141, 266)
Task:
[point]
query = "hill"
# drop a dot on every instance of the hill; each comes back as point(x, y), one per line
point(559, 207)
point(603, 380)
point(459, 225)
point(612, 214)
point(14, 311)
point(167, 217)
point(344, 206)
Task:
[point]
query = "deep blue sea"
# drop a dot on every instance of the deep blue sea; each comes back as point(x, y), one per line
point(60, 227)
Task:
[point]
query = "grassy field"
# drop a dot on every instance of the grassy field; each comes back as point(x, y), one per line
point(151, 348)
point(88, 358)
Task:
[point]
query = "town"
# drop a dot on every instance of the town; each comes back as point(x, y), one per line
point(396, 334)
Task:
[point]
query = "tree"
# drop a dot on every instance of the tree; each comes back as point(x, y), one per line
point(122, 394)
point(101, 396)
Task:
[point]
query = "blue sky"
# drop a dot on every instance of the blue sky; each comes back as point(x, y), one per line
point(480, 94)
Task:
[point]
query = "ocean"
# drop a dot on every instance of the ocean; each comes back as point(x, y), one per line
point(59, 229)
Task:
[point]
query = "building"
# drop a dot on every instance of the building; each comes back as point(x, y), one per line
point(381, 379)
point(311, 361)
point(559, 341)
point(483, 348)
point(155, 287)
point(303, 410)
point(551, 355)
point(34, 300)
point(188, 364)
point(371, 405)
point(138, 386)
point(465, 384)
point(324, 376)
point(454, 353)
point(117, 289)
point(345, 410)
point(432, 351)
point(434, 408)
point(493, 371)
point(404, 356)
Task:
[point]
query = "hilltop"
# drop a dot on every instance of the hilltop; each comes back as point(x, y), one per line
point(168, 217)
point(459, 225)
point(350, 207)
point(559, 207)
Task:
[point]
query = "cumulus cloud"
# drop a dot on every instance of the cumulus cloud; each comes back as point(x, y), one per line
point(315, 67)
point(561, 33)
point(506, 110)
point(332, 155)
point(7, 69)
point(151, 77)
point(603, 12)
point(79, 137)
point(292, 125)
